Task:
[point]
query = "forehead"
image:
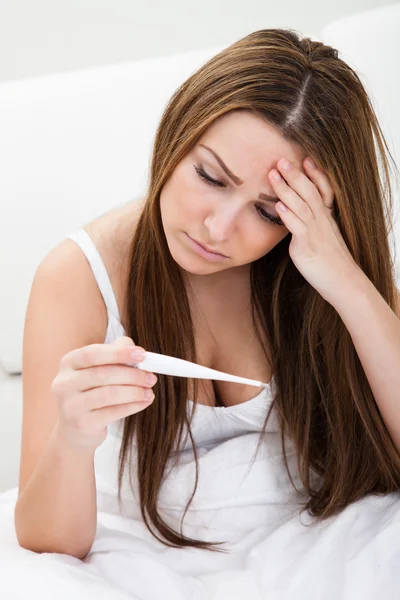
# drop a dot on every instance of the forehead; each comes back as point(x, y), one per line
point(241, 135)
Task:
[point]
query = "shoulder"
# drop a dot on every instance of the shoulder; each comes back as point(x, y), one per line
point(64, 279)
point(111, 233)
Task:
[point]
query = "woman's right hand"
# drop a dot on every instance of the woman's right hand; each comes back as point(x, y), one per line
point(95, 386)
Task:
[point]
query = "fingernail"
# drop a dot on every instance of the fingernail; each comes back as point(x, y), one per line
point(310, 163)
point(151, 379)
point(138, 354)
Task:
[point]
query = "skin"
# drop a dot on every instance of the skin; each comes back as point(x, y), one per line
point(226, 218)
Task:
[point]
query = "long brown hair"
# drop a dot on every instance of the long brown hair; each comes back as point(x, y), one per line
point(323, 399)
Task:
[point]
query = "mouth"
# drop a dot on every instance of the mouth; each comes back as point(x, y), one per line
point(204, 250)
point(209, 249)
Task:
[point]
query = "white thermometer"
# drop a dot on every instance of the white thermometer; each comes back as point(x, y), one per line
point(169, 365)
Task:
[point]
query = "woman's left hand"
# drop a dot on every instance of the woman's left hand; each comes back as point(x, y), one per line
point(317, 247)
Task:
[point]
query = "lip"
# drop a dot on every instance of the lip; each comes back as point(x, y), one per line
point(203, 251)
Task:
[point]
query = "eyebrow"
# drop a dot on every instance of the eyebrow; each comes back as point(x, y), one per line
point(236, 180)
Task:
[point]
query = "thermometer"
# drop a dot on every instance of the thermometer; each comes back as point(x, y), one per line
point(169, 365)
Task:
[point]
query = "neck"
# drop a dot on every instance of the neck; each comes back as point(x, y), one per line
point(228, 295)
point(230, 280)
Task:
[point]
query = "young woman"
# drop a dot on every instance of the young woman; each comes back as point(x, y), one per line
point(244, 256)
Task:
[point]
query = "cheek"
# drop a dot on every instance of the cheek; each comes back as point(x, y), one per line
point(172, 193)
point(260, 245)
point(192, 198)
point(181, 199)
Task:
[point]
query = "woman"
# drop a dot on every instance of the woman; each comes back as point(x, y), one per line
point(297, 290)
point(304, 271)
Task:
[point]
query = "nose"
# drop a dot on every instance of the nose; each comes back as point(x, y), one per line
point(222, 222)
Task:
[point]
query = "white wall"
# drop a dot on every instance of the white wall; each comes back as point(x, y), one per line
point(47, 36)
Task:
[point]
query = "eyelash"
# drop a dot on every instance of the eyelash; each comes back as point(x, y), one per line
point(214, 182)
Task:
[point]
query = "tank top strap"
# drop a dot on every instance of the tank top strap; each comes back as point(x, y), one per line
point(83, 239)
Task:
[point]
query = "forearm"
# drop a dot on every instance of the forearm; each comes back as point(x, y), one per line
point(375, 331)
point(57, 510)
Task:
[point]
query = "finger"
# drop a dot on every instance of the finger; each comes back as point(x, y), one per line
point(100, 354)
point(321, 182)
point(289, 196)
point(123, 340)
point(105, 375)
point(292, 222)
point(114, 395)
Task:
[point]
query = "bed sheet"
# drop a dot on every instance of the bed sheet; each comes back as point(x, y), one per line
point(276, 551)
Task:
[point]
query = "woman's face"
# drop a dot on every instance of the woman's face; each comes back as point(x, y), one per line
point(228, 217)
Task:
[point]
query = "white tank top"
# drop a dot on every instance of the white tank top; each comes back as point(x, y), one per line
point(211, 425)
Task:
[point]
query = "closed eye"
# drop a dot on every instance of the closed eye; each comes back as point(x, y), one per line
point(214, 182)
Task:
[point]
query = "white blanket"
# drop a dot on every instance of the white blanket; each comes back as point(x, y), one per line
point(275, 551)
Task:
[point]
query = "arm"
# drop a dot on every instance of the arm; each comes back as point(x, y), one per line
point(375, 331)
point(57, 511)
point(319, 252)
point(56, 507)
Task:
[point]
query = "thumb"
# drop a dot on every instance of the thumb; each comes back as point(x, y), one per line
point(124, 341)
